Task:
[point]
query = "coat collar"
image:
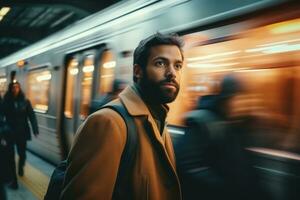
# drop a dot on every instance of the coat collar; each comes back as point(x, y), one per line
point(133, 102)
point(135, 105)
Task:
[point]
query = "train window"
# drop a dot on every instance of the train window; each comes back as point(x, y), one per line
point(38, 89)
point(259, 49)
point(3, 85)
point(107, 70)
point(71, 77)
point(266, 60)
point(86, 85)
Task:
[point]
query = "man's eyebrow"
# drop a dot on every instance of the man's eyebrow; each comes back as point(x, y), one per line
point(166, 59)
point(160, 57)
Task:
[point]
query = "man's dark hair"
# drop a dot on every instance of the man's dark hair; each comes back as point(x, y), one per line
point(141, 53)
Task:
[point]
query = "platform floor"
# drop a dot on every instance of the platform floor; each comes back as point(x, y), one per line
point(34, 183)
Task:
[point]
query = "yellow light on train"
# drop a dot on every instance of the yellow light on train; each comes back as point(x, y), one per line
point(88, 68)
point(4, 11)
point(210, 65)
point(73, 71)
point(107, 76)
point(280, 42)
point(87, 78)
point(40, 107)
point(74, 63)
point(44, 77)
point(212, 56)
point(21, 63)
point(110, 64)
point(3, 80)
point(285, 27)
point(281, 48)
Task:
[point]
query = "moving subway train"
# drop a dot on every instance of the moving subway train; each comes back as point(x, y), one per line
point(257, 40)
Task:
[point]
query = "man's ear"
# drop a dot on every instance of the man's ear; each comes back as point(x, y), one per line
point(137, 71)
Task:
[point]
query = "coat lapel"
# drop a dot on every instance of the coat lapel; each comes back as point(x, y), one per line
point(136, 107)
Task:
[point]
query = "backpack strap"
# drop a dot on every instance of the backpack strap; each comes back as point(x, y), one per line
point(129, 152)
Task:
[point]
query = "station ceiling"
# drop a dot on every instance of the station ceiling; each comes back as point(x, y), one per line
point(28, 21)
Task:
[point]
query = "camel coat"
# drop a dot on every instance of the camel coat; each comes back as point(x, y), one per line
point(95, 156)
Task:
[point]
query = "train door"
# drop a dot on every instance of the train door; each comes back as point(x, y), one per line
point(106, 73)
point(89, 75)
point(79, 79)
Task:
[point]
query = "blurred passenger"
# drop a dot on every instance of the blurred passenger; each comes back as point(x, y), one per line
point(118, 86)
point(215, 165)
point(94, 160)
point(18, 111)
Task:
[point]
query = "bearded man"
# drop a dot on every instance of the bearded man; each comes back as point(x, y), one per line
point(94, 160)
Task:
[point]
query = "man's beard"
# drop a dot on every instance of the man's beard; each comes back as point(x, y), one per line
point(155, 93)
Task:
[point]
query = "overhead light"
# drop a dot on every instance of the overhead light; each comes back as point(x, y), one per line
point(1, 17)
point(21, 63)
point(4, 11)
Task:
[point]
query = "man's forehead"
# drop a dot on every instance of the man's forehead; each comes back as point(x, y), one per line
point(165, 51)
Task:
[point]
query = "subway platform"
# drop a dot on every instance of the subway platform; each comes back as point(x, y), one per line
point(34, 183)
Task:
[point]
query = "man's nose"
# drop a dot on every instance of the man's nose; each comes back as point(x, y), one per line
point(171, 72)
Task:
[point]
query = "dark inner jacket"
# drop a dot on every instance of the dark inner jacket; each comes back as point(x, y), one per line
point(18, 111)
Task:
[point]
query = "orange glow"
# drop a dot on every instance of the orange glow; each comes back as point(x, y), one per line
point(266, 63)
point(285, 27)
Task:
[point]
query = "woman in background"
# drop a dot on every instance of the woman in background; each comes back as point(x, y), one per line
point(17, 110)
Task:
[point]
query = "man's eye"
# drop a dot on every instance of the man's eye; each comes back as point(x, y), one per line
point(160, 64)
point(178, 66)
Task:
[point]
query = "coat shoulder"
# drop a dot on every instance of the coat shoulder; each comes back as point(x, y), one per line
point(101, 123)
point(106, 114)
